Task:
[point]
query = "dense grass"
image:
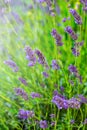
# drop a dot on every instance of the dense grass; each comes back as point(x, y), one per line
point(33, 27)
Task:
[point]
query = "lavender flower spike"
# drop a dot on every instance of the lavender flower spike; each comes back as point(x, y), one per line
point(83, 1)
point(60, 102)
point(74, 103)
point(75, 51)
point(23, 81)
point(12, 65)
point(72, 69)
point(85, 121)
point(25, 114)
point(77, 18)
point(41, 59)
point(45, 74)
point(69, 30)
point(72, 121)
point(30, 55)
point(57, 37)
point(43, 124)
point(55, 65)
point(35, 95)
point(21, 92)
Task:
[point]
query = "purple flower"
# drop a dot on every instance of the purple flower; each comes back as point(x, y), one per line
point(74, 103)
point(41, 1)
point(52, 115)
point(71, 82)
point(45, 74)
point(53, 123)
point(30, 55)
point(82, 99)
point(85, 121)
point(7, 1)
point(72, 69)
point(64, 19)
point(80, 78)
point(57, 37)
point(21, 92)
point(85, 8)
point(51, 10)
point(49, 3)
point(43, 124)
point(41, 59)
point(78, 44)
point(83, 1)
point(81, 43)
point(55, 65)
point(69, 30)
point(35, 95)
point(75, 52)
point(55, 92)
point(25, 114)
point(17, 18)
point(60, 102)
point(77, 18)
point(23, 81)
point(12, 65)
point(72, 121)
point(62, 88)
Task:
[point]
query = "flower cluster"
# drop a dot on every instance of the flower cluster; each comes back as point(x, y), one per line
point(73, 70)
point(75, 51)
point(45, 74)
point(77, 18)
point(85, 121)
point(65, 103)
point(72, 121)
point(76, 48)
point(35, 95)
point(43, 124)
point(30, 55)
point(60, 102)
point(74, 103)
point(17, 17)
point(69, 30)
point(65, 19)
point(25, 114)
point(21, 92)
point(23, 81)
point(41, 58)
point(12, 65)
point(82, 99)
point(59, 98)
point(49, 4)
point(55, 65)
point(84, 2)
point(57, 37)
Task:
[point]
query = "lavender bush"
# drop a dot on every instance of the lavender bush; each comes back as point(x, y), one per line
point(43, 65)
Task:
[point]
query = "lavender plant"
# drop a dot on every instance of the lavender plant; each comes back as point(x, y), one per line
point(43, 84)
